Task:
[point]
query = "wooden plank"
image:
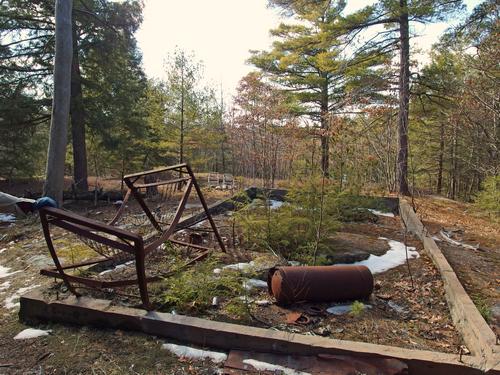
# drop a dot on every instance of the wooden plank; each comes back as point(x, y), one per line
point(476, 333)
point(227, 336)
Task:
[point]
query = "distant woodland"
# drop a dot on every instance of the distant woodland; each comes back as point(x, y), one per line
point(338, 95)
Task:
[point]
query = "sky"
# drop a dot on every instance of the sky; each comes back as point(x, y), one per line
point(220, 33)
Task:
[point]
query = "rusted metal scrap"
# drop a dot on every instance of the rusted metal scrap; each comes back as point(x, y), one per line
point(322, 364)
point(319, 283)
point(116, 244)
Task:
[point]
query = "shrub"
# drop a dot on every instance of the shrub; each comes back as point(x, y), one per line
point(489, 199)
point(291, 229)
point(193, 289)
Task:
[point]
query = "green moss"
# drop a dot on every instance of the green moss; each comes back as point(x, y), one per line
point(482, 306)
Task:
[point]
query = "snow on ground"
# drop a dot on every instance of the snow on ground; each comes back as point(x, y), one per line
point(240, 266)
point(343, 309)
point(9, 301)
point(31, 333)
point(7, 218)
point(264, 366)
point(4, 286)
point(380, 213)
point(254, 283)
point(4, 272)
point(193, 353)
point(391, 259)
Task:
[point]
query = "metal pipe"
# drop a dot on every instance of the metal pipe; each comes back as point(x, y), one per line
point(319, 283)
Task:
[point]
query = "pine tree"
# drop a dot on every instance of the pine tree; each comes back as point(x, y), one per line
point(312, 64)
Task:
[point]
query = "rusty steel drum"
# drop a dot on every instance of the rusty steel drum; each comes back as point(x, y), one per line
point(319, 283)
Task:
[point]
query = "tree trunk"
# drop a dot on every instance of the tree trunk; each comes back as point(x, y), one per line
point(181, 141)
point(78, 121)
point(325, 147)
point(54, 176)
point(223, 133)
point(441, 156)
point(404, 98)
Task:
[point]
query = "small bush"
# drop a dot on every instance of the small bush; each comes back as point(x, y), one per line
point(291, 229)
point(489, 199)
point(193, 289)
point(357, 308)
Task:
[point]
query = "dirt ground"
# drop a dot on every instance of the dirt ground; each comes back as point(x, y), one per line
point(71, 350)
point(401, 314)
point(478, 270)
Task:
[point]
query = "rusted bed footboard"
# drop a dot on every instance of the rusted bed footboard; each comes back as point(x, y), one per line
point(129, 243)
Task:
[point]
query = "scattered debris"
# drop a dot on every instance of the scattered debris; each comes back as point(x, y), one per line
point(193, 353)
point(447, 237)
point(215, 301)
point(263, 302)
point(297, 318)
point(264, 366)
point(398, 308)
point(308, 364)
point(31, 333)
point(394, 257)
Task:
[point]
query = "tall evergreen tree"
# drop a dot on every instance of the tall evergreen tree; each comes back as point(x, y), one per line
point(397, 15)
point(313, 65)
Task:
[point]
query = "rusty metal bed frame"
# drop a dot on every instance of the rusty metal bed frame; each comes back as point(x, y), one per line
point(133, 245)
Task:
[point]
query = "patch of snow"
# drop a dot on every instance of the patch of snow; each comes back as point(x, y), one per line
point(392, 258)
point(119, 266)
point(217, 271)
point(4, 285)
point(9, 301)
point(265, 366)
point(4, 272)
point(380, 213)
point(254, 283)
point(31, 333)
point(246, 299)
point(192, 353)
point(240, 266)
point(275, 204)
point(7, 218)
point(343, 309)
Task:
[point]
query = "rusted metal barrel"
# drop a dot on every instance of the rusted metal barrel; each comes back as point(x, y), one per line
point(319, 283)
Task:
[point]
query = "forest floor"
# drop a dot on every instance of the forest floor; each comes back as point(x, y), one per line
point(477, 264)
point(397, 314)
